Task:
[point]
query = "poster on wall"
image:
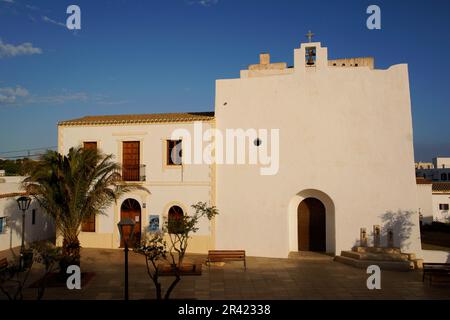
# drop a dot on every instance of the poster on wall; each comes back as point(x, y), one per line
point(153, 223)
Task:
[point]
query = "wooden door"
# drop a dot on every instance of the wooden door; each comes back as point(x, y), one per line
point(131, 209)
point(317, 227)
point(88, 225)
point(175, 220)
point(303, 226)
point(311, 225)
point(130, 160)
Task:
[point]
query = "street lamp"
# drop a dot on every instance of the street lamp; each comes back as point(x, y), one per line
point(126, 230)
point(23, 203)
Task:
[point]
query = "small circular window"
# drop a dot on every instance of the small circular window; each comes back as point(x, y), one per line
point(257, 142)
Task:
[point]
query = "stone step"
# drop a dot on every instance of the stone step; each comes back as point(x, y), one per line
point(411, 256)
point(384, 265)
point(376, 250)
point(376, 256)
point(418, 263)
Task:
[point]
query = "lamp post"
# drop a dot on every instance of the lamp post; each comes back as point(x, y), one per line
point(23, 203)
point(126, 230)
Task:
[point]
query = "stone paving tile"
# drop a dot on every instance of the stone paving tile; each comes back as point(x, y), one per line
point(264, 279)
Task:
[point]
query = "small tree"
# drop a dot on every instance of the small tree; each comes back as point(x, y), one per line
point(48, 255)
point(157, 250)
point(154, 250)
point(13, 278)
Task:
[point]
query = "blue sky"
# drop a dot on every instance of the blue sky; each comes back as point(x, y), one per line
point(141, 56)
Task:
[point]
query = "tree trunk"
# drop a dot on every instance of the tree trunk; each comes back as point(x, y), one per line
point(158, 291)
point(172, 286)
point(71, 255)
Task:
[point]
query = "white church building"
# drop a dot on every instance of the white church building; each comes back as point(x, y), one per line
point(330, 152)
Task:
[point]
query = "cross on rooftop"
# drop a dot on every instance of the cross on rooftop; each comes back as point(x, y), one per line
point(310, 35)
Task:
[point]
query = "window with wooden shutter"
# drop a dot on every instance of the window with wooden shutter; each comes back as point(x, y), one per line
point(91, 145)
point(130, 160)
point(88, 225)
point(2, 224)
point(173, 153)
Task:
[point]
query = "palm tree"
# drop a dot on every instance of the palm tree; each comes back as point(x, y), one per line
point(74, 188)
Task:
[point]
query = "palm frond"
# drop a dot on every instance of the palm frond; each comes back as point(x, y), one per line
point(74, 187)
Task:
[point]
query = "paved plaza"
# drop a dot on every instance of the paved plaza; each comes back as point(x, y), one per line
point(316, 277)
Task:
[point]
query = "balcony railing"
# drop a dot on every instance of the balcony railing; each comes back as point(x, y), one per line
point(132, 172)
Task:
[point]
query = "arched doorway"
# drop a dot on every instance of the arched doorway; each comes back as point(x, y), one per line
point(132, 209)
point(311, 225)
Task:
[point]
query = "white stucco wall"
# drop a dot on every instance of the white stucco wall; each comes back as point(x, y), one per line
point(436, 256)
point(10, 184)
point(425, 202)
point(168, 185)
point(43, 229)
point(441, 162)
point(441, 215)
point(345, 138)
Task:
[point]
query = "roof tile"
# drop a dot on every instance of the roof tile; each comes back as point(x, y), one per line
point(421, 180)
point(139, 118)
point(442, 187)
point(12, 194)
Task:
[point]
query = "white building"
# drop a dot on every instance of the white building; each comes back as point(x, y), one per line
point(434, 189)
point(424, 165)
point(141, 144)
point(441, 202)
point(433, 201)
point(38, 226)
point(425, 200)
point(341, 159)
point(441, 162)
point(438, 170)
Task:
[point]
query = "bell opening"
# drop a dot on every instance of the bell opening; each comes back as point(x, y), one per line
point(310, 56)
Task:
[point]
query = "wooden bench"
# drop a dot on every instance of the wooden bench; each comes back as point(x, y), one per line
point(435, 269)
point(3, 263)
point(226, 255)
